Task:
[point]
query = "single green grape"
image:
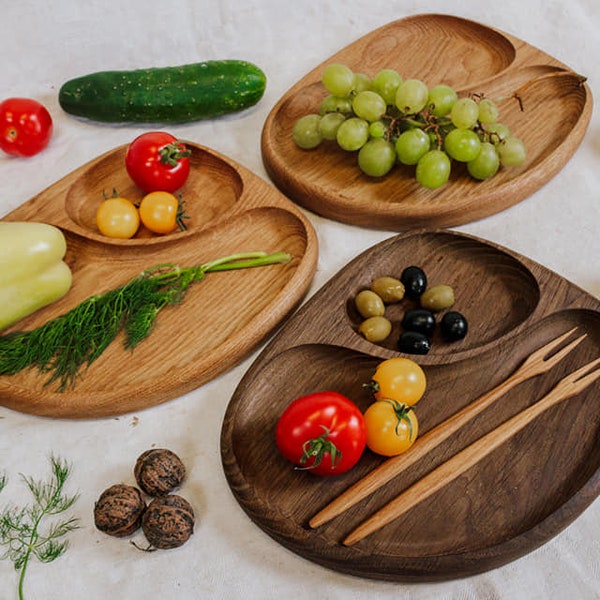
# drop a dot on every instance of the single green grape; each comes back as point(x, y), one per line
point(306, 132)
point(433, 169)
point(441, 100)
point(486, 164)
point(335, 104)
point(411, 145)
point(462, 144)
point(464, 113)
point(329, 125)
point(352, 134)
point(386, 82)
point(338, 79)
point(377, 157)
point(488, 111)
point(369, 105)
point(496, 132)
point(377, 129)
point(362, 83)
point(511, 151)
point(411, 96)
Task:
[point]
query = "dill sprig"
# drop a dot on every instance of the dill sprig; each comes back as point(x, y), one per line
point(67, 343)
point(20, 528)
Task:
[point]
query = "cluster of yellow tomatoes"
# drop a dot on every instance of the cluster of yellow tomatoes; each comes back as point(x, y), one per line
point(390, 421)
point(118, 217)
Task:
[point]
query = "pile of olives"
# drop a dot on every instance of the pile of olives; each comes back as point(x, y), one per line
point(418, 324)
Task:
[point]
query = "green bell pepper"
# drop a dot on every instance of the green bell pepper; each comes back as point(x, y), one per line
point(33, 273)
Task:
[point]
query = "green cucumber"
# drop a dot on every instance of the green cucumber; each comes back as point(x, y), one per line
point(165, 94)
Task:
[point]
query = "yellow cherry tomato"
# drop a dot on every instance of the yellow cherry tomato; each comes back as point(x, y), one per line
point(158, 212)
point(399, 379)
point(391, 427)
point(117, 218)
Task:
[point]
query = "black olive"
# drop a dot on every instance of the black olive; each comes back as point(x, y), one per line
point(453, 326)
point(415, 281)
point(413, 342)
point(419, 320)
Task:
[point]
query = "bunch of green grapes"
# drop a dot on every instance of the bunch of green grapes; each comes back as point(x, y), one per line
point(387, 119)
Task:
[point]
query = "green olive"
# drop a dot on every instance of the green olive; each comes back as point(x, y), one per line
point(389, 289)
point(438, 297)
point(369, 304)
point(375, 329)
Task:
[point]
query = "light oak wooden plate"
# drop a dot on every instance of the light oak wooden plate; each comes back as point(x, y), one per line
point(469, 56)
point(511, 502)
point(222, 318)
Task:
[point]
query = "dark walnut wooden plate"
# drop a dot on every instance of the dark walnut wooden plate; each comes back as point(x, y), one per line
point(511, 502)
point(222, 318)
point(471, 57)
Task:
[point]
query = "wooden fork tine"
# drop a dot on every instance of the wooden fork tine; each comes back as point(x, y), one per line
point(558, 356)
point(543, 355)
point(542, 360)
point(583, 376)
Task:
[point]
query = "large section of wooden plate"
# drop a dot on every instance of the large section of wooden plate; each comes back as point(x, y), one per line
point(222, 318)
point(471, 57)
point(512, 501)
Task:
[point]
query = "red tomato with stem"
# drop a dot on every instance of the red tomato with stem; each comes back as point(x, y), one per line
point(25, 126)
point(323, 433)
point(157, 162)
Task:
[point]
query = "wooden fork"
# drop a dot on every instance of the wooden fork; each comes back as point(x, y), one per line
point(535, 364)
point(567, 387)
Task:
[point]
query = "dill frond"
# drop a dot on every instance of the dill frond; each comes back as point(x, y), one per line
point(21, 528)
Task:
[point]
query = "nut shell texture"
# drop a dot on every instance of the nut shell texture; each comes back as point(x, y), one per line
point(159, 471)
point(168, 522)
point(118, 511)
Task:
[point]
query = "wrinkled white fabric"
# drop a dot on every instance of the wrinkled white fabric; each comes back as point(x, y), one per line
point(46, 43)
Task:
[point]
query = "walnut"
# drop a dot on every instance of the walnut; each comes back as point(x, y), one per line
point(159, 471)
point(119, 510)
point(168, 522)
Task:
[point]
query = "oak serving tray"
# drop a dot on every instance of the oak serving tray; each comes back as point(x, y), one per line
point(472, 58)
point(508, 504)
point(222, 318)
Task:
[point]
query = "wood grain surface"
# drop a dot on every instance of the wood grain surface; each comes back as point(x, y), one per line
point(509, 503)
point(469, 56)
point(222, 318)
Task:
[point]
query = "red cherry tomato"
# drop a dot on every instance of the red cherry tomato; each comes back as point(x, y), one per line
point(25, 126)
point(157, 162)
point(323, 432)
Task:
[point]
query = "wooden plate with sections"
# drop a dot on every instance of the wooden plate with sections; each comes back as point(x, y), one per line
point(472, 58)
point(510, 502)
point(222, 318)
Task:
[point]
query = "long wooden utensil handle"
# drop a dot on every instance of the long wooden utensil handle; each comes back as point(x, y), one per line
point(452, 468)
point(424, 444)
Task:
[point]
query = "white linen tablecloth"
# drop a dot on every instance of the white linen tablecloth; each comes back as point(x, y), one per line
point(46, 43)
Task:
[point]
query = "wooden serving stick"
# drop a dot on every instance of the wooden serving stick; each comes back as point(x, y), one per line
point(460, 463)
point(536, 363)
